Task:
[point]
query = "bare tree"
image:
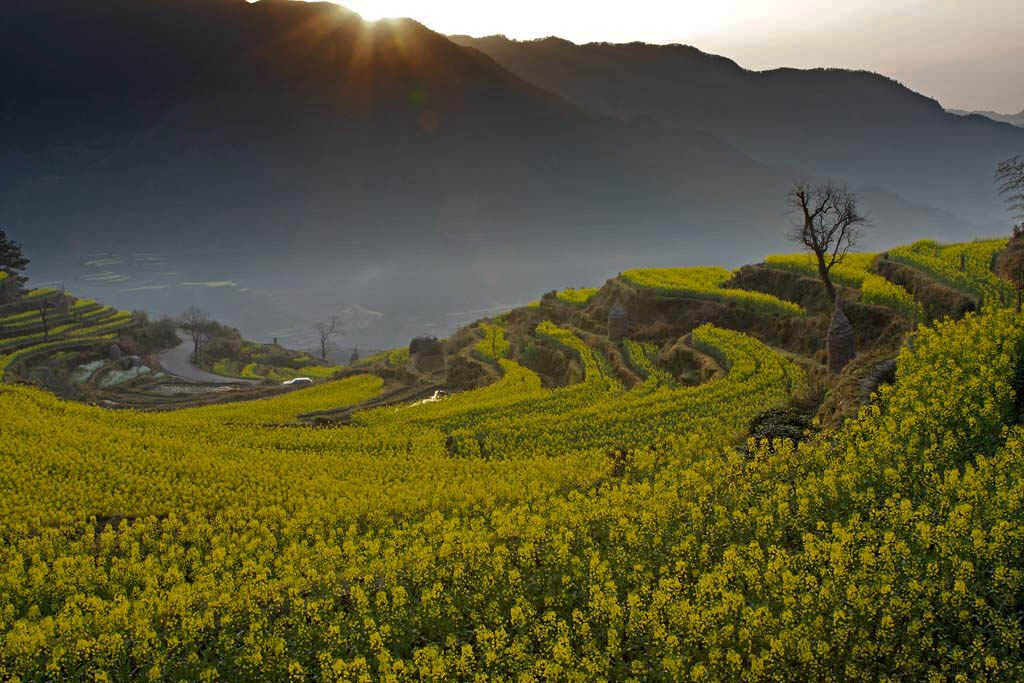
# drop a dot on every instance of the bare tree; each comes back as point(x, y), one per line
point(1010, 176)
point(195, 322)
point(57, 302)
point(44, 307)
point(829, 224)
point(326, 331)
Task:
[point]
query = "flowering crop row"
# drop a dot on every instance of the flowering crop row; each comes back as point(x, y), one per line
point(706, 283)
point(199, 545)
point(91, 323)
point(13, 357)
point(640, 357)
point(517, 532)
point(943, 262)
point(576, 296)
point(854, 272)
point(259, 371)
point(494, 345)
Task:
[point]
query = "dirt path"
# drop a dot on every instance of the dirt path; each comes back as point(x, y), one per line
point(178, 363)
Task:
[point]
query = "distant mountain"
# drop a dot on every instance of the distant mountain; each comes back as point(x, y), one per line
point(858, 125)
point(318, 162)
point(220, 124)
point(1012, 119)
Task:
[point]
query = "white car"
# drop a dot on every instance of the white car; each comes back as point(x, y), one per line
point(297, 381)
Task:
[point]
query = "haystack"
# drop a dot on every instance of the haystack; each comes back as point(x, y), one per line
point(840, 343)
point(618, 323)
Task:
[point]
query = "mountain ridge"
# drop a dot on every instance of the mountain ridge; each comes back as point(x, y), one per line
point(1012, 119)
point(391, 105)
point(864, 126)
point(291, 147)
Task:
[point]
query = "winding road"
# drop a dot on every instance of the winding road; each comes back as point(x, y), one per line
point(178, 363)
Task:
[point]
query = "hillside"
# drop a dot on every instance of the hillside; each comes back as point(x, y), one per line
point(322, 164)
point(255, 130)
point(83, 350)
point(1013, 119)
point(593, 500)
point(291, 123)
point(857, 125)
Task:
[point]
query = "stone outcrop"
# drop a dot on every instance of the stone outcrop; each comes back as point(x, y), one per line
point(426, 354)
point(463, 374)
point(880, 373)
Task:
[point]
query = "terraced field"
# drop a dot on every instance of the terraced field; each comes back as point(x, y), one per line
point(854, 272)
point(84, 323)
point(534, 531)
point(966, 267)
point(706, 283)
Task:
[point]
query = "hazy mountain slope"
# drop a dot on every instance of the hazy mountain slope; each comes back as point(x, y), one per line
point(220, 123)
point(317, 163)
point(859, 125)
point(1012, 119)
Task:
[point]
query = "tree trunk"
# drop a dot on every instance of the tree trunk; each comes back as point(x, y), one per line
point(1019, 294)
point(826, 280)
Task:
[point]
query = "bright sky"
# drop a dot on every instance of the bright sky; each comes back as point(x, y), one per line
point(966, 53)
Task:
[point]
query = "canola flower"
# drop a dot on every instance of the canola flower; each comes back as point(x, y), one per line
point(943, 263)
point(517, 532)
point(39, 292)
point(190, 546)
point(398, 357)
point(854, 271)
point(576, 296)
point(706, 283)
point(641, 357)
point(394, 358)
point(34, 316)
point(90, 323)
point(259, 371)
point(494, 345)
point(113, 323)
point(8, 360)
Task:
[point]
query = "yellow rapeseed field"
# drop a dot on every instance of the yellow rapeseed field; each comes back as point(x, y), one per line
point(516, 532)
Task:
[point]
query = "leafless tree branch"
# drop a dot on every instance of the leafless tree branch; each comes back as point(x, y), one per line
point(195, 321)
point(326, 331)
point(828, 224)
point(1010, 178)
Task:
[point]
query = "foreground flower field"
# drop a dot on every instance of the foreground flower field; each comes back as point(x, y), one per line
point(522, 533)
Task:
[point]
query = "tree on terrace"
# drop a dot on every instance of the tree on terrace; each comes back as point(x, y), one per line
point(1010, 177)
point(829, 224)
point(195, 322)
point(326, 331)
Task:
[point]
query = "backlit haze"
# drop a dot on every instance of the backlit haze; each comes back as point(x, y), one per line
point(967, 55)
